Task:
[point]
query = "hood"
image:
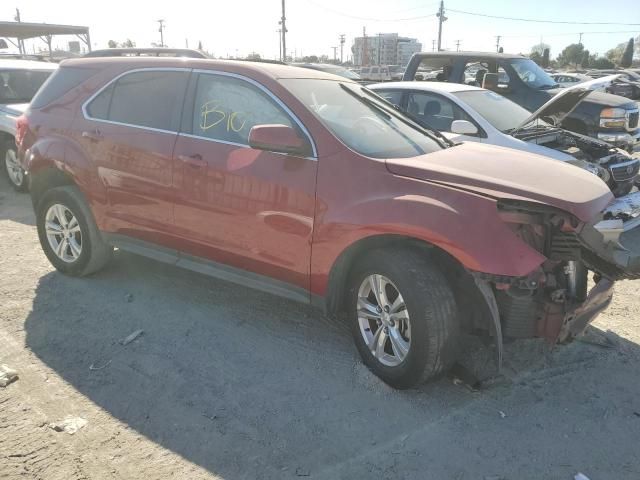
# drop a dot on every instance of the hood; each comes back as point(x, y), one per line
point(15, 109)
point(567, 99)
point(505, 173)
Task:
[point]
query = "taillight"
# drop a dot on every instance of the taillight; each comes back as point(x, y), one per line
point(22, 125)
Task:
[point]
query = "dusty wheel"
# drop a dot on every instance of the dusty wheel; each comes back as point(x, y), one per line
point(403, 316)
point(68, 234)
point(16, 175)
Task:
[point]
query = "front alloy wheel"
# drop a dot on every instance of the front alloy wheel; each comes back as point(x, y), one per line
point(402, 315)
point(384, 320)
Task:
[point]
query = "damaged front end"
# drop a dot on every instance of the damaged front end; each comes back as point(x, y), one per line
point(553, 301)
point(615, 167)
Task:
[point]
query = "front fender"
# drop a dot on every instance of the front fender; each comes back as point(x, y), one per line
point(464, 225)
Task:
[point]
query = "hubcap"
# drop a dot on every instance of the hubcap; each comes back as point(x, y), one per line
point(384, 320)
point(14, 170)
point(63, 233)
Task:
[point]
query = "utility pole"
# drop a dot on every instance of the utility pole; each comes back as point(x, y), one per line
point(280, 43)
point(441, 18)
point(580, 41)
point(365, 60)
point(342, 37)
point(20, 41)
point(335, 53)
point(433, 45)
point(284, 33)
point(161, 30)
point(457, 45)
point(498, 37)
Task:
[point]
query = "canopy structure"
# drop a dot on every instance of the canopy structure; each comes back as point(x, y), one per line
point(20, 31)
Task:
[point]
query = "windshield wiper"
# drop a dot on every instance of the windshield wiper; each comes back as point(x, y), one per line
point(369, 102)
point(407, 118)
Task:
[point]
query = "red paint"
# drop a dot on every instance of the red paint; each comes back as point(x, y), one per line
point(283, 215)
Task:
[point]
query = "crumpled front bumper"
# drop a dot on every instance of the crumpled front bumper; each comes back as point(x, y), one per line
point(623, 214)
point(576, 320)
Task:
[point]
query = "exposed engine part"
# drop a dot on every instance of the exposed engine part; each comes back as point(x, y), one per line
point(518, 313)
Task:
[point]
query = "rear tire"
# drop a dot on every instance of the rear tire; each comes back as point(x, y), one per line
point(12, 169)
point(428, 324)
point(68, 233)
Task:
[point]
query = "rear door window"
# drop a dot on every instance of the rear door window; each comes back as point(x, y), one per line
point(226, 108)
point(151, 99)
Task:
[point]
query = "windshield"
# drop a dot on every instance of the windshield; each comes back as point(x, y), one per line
point(363, 123)
point(499, 111)
point(531, 74)
point(343, 72)
point(19, 86)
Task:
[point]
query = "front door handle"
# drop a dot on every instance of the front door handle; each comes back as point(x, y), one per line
point(93, 135)
point(194, 160)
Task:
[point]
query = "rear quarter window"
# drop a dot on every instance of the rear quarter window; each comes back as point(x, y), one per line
point(59, 83)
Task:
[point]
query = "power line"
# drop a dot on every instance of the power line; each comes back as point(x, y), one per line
point(370, 19)
point(540, 21)
point(567, 34)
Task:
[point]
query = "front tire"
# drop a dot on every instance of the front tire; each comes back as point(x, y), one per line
point(16, 175)
point(68, 233)
point(403, 316)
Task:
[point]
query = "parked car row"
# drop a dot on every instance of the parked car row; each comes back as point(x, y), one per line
point(608, 117)
point(626, 83)
point(311, 186)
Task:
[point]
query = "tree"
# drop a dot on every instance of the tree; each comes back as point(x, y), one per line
point(627, 56)
point(128, 43)
point(600, 63)
point(585, 59)
point(310, 59)
point(540, 48)
point(545, 57)
point(536, 57)
point(200, 45)
point(572, 54)
point(112, 44)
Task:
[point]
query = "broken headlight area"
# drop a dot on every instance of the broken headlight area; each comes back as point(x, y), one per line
point(553, 301)
point(622, 214)
point(614, 166)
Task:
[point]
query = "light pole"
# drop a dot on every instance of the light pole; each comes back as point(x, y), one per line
point(161, 30)
point(441, 18)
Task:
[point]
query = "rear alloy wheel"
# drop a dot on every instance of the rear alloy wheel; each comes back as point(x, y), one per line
point(63, 233)
point(14, 171)
point(403, 316)
point(68, 233)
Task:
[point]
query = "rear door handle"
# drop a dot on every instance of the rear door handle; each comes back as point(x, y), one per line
point(93, 135)
point(194, 160)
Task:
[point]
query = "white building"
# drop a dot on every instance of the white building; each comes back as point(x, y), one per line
point(384, 49)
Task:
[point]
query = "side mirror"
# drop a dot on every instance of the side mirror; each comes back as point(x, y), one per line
point(277, 138)
point(463, 127)
point(490, 81)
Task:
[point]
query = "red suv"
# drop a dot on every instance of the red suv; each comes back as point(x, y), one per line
point(309, 186)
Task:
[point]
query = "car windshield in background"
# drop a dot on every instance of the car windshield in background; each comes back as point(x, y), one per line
point(343, 72)
point(366, 125)
point(499, 111)
point(19, 86)
point(531, 74)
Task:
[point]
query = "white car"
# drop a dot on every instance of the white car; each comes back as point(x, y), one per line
point(467, 113)
point(19, 82)
point(566, 79)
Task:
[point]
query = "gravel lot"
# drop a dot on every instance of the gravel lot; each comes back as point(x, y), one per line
point(229, 383)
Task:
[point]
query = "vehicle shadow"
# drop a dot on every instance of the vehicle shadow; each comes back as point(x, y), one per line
point(251, 386)
point(15, 206)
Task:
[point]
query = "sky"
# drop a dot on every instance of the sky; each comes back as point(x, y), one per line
point(240, 27)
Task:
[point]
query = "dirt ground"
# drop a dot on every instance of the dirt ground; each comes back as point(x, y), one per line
point(230, 383)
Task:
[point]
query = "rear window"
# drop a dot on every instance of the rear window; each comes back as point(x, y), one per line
point(19, 86)
point(60, 82)
point(150, 99)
